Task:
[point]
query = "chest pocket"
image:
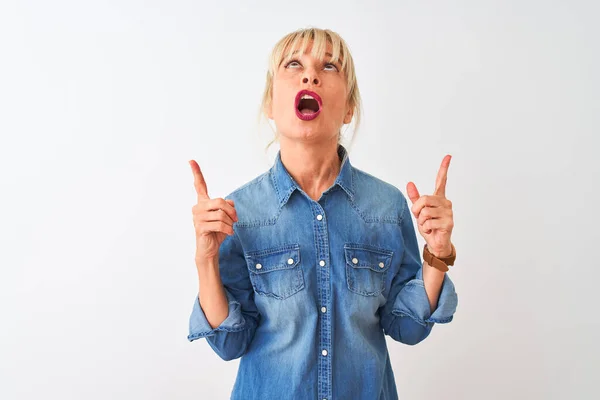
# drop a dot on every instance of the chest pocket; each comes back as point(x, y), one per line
point(366, 268)
point(276, 272)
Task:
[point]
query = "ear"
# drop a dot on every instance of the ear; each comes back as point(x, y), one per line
point(349, 114)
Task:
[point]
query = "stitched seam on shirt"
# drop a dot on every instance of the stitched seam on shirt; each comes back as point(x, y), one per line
point(406, 314)
point(351, 268)
point(239, 328)
point(403, 210)
point(267, 222)
point(273, 250)
point(260, 223)
point(283, 296)
point(274, 180)
point(390, 220)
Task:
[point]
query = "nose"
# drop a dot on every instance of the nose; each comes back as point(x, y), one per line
point(315, 80)
point(310, 75)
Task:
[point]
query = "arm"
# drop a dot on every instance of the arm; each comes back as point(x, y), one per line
point(433, 279)
point(419, 295)
point(232, 312)
point(211, 292)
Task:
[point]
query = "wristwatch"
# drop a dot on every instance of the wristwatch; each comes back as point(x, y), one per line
point(440, 263)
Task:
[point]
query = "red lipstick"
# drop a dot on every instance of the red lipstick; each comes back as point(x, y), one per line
point(308, 105)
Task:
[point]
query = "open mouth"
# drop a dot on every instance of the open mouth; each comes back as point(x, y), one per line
point(308, 105)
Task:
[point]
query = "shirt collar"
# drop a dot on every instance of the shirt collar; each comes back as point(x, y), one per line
point(285, 184)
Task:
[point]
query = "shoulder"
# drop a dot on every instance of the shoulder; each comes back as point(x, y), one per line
point(366, 181)
point(377, 198)
point(256, 201)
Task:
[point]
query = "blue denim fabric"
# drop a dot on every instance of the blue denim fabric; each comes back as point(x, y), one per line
point(314, 287)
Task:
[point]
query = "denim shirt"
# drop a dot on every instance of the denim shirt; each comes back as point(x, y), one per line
point(313, 287)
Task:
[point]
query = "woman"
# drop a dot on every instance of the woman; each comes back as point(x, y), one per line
point(304, 269)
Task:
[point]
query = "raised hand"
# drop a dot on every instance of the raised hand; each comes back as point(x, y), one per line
point(213, 218)
point(434, 213)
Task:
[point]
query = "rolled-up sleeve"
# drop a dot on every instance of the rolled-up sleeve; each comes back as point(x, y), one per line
point(231, 338)
point(199, 326)
point(406, 316)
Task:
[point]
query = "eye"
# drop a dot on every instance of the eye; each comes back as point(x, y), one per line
point(291, 63)
point(335, 68)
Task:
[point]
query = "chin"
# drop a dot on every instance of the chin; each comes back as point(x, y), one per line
point(294, 128)
point(303, 132)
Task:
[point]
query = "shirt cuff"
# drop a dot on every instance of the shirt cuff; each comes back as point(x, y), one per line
point(412, 301)
point(199, 326)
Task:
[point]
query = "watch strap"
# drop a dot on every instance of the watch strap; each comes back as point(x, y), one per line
point(440, 263)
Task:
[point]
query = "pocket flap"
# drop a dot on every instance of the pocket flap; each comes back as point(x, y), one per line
point(272, 259)
point(367, 256)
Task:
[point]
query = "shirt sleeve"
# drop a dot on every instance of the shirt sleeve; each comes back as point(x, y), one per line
point(231, 338)
point(406, 316)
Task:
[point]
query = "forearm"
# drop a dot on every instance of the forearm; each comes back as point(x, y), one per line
point(433, 279)
point(227, 321)
point(212, 297)
point(414, 305)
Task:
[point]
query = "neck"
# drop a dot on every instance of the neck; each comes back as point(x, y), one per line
point(314, 166)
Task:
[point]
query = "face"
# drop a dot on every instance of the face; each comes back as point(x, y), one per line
point(310, 98)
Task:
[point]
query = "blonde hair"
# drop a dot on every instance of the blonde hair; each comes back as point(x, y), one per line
point(299, 40)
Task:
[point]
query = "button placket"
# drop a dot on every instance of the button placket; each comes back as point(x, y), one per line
point(324, 297)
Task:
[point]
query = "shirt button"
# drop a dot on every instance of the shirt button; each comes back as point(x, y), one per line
point(291, 261)
point(322, 263)
point(381, 265)
point(323, 309)
point(319, 217)
point(324, 352)
point(355, 260)
point(258, 266)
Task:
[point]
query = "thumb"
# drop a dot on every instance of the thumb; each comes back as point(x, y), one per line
point(413, 193)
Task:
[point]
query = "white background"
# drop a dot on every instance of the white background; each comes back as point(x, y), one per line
point(103, 103)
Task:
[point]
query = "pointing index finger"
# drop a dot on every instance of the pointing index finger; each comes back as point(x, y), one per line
point(199, 182)
point(440, 182)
